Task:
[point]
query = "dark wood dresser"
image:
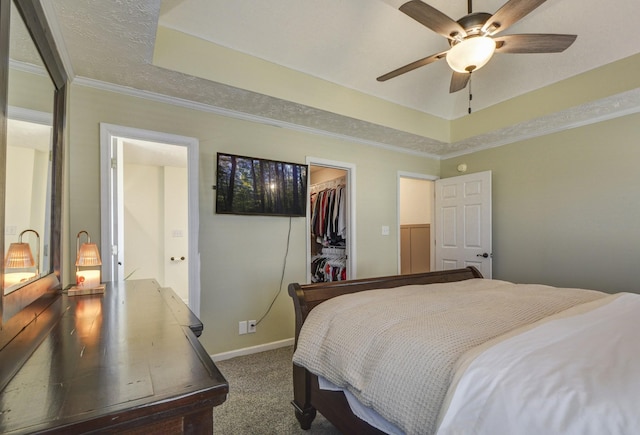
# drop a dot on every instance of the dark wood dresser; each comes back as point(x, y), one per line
point(126, 361)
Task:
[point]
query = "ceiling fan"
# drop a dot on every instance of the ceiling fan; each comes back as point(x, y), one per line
point(473, 38)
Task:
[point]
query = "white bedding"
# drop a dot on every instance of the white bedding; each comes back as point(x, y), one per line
point(396, 350)
point(361, 411)
point(571, 375)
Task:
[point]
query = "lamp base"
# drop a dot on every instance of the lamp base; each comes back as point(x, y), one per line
point(77, 291)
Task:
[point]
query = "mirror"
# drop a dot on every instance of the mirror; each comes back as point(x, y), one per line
point(33, 103)
point(30, 100)
point(27, 201)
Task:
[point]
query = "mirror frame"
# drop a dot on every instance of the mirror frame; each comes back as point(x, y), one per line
point(21, 307)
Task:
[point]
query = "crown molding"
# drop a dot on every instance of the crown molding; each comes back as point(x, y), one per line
point(614, 106)
point(188, 104)
point(589, 113)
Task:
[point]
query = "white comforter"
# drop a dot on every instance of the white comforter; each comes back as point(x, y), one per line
point(397, 350)
point(577, 374)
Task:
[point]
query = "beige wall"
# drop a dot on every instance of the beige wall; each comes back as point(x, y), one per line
point(143, 221)
point(30, 91)
point(566, 206)
point(241, 256)
point(416, 201)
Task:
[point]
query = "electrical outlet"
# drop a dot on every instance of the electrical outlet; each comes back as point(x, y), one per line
point(251, 326)
point(242, 327)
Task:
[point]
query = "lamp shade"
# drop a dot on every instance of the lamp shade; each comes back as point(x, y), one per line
point(88, 255)
point(19, 256)
point(87, 280)
point(471, 54)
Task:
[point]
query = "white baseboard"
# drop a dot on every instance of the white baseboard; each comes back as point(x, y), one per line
point(253, 349)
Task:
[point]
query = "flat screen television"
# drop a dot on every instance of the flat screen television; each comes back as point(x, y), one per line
point(254, 186)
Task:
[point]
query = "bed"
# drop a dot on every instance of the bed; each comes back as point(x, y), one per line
point(450, 352)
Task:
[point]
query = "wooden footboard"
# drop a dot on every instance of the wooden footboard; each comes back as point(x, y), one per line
point(307, 397)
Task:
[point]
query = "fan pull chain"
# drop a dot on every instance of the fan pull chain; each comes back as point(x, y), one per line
point(470, 94)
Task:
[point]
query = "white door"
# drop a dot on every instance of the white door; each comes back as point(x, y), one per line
point(463, 223)
point(176, 227)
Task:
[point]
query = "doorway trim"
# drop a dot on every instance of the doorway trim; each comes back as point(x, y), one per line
point(109, 133)
point(417, 176)
point(350, 168)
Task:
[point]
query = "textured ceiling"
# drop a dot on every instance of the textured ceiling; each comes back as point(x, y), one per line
point(348, 43)
point(21, 47)
point(353, 42)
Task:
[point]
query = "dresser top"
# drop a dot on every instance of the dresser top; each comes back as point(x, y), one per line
point(108, 359)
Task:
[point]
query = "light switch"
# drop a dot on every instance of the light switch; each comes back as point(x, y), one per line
point(385, 230)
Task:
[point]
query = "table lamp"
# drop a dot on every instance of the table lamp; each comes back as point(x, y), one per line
point(87, 268)
point(19, 256)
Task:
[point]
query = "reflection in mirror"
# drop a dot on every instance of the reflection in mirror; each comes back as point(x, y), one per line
point(28, 164)
point(20, 265)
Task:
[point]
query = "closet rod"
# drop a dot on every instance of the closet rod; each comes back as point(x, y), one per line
point(329, 184)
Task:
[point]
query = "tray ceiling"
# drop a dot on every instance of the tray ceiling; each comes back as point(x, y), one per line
point(345, 43)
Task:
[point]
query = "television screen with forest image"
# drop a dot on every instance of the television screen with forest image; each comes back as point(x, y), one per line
point(248, 185)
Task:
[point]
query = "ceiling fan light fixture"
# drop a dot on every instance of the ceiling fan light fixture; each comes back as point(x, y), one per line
point(471, 54)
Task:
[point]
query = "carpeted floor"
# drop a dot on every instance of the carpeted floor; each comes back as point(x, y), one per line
point(260, 392)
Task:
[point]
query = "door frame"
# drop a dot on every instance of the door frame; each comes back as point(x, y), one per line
point(109, 197)
point(417, 176)
point(350, 169)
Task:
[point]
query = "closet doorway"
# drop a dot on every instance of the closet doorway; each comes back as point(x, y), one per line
point(330, 221)
point(415, 219)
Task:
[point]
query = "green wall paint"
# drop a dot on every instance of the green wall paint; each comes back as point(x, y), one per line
point(566, 206)
point(241, 256)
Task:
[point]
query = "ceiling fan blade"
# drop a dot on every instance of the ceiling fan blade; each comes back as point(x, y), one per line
point(533, 43)
point(433, 19)
point(508, 14)
point(458, 81)
point(413, 65)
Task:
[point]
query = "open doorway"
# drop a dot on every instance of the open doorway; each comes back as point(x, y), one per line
point(330, 221)
point(149, 187)
point(415, 220)
point(155, 214)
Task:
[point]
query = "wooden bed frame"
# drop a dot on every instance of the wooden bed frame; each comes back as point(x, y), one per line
point(307, 396)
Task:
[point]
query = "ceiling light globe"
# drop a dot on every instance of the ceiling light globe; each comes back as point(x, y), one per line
point(471, 54)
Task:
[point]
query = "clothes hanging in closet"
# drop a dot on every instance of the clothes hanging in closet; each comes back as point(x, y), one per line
point(328, 221)
point(328, 268)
